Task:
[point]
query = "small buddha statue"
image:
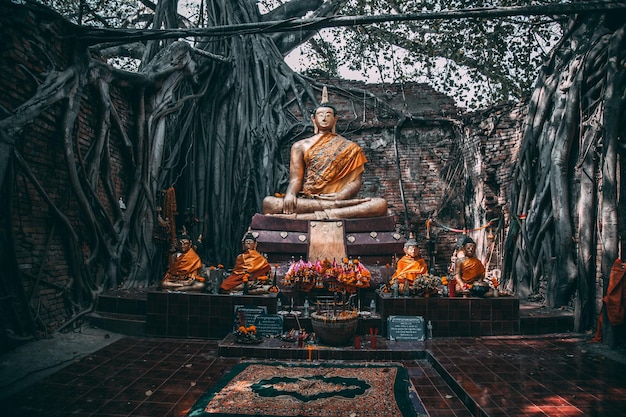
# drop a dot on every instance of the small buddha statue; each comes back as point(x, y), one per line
point(325, 175)
point(409, 266)
point(468, 269)
point(250, 265)
point(183, 272)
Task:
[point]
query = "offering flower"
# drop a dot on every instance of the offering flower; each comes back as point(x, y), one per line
point(247, 335)
point(426, 284)
point(348, 276)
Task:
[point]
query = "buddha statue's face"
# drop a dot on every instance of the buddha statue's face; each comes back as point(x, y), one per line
point(184, 245)
point(412, 251)
point(325, 118)
point(469, 249)
point(249, 244)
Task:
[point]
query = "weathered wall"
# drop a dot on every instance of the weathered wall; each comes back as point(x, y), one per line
point(42, 198)
point(419, 165)
point(490, 146)
point(451, 167)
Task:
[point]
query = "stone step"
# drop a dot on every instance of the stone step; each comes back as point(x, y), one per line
point(126, 324)
point(548, 323)
point(123, 302)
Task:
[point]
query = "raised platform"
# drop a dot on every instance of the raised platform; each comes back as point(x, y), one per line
point(454, 317)
point(197, 315)
point(275, 348)
point(372, 239)
point(155, 313)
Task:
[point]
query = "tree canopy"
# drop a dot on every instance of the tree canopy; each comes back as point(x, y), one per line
point(449, 54)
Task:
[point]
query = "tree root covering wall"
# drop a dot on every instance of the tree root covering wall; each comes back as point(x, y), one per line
point(62, 167)
point(92, 158)
point(566, 188)
point(80, 137)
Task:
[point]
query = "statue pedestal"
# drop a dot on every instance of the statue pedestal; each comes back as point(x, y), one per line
point(372, 239)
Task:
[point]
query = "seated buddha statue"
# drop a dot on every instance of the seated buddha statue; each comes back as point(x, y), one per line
point(249, 265)
point(183, 272)
point(410, 265)
point(325, 175)
point(468, 269)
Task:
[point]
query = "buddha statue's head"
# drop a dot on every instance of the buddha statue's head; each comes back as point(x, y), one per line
point(411, 248)
point(183, 242)
point(248, 242)
point(324, 116)
point(469, 247)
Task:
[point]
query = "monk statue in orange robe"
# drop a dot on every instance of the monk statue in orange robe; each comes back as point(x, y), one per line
point(409, 266)
point(249, 265)
point(183, 273)
point(468, 269)
point(325, 176)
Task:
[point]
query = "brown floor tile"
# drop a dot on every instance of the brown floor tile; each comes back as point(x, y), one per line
point(515, 376)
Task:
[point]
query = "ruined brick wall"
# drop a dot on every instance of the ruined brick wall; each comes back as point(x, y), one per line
point(34, 45)
point(490, 148)
point(442, 164)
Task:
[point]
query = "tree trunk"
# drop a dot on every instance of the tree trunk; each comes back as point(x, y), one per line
point(570, 141)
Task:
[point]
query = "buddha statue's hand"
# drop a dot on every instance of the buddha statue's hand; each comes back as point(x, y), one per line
point(289, 204)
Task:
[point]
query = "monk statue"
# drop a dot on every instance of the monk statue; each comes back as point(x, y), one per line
point(183, 273)
point(325, 176)
point(410, 265)
point(249, 265)
point(468, 269)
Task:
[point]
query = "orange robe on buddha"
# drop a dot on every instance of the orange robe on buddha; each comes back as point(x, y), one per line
point(409, 267)
point(250, 262)
point(471, 269)
point(184, 267)
point(327, 174)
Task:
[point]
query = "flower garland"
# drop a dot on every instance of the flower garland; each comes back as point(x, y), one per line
point(464, 231)
point(348, 275)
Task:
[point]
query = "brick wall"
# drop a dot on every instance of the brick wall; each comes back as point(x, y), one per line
point(490, 148)
point(434, 149)
point(32, 47)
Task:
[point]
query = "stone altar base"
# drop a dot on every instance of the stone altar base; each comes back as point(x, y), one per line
point(371, 239)
point(211, 316)
point(457, 316)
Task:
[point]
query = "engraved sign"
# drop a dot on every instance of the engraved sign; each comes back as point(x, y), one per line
point(269, 324)
point(245, 315)
point(405, 328)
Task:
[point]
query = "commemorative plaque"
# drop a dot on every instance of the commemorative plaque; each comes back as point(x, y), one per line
point(405, 328)
point(269, 324)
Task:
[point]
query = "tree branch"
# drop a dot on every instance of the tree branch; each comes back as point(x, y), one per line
point(92, 36)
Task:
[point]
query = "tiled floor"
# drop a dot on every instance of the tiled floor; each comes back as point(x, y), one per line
point(499, 376)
